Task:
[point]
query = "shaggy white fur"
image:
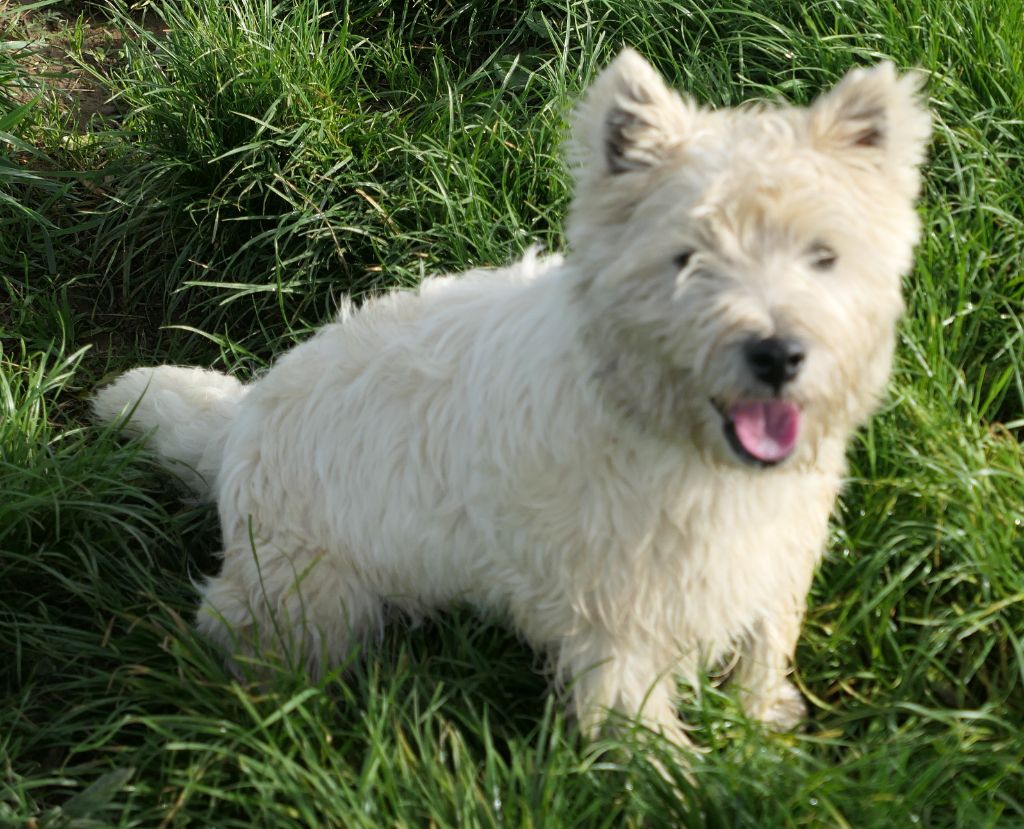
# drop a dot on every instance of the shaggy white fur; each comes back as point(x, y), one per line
point(632, 452)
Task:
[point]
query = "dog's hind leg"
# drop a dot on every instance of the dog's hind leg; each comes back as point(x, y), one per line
point(267, 609)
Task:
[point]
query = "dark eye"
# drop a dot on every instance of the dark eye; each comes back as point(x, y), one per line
point(683, 259)
point(823, 258)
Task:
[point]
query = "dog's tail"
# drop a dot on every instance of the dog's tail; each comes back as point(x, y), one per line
point(184, 413)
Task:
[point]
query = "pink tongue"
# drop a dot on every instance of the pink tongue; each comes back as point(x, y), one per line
point(767, 429)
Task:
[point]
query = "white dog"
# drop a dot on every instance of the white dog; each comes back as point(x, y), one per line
point(632, 452)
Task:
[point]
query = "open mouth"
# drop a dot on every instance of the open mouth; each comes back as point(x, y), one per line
point(761, 432)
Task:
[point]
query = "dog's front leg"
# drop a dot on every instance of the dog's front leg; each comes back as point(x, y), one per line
point(765, 691)
point(611, 679)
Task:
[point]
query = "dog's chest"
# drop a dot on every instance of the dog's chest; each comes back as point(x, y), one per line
point(721, 554)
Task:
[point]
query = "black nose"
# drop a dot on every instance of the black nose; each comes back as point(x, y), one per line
point(775, 360)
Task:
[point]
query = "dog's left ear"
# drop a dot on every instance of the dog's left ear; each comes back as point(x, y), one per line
point(875, 117)
point(629, 121)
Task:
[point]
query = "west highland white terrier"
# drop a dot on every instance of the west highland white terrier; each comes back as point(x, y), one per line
point(631, 452)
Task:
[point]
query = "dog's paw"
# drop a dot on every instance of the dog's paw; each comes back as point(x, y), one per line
point(783, 711)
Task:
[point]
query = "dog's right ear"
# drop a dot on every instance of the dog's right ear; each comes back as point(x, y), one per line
point(629, 120)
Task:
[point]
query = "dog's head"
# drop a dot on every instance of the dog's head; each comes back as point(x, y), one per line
point(739, 269)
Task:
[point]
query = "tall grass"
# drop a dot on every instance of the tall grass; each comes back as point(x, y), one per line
point(270, 157)
point(21, 185)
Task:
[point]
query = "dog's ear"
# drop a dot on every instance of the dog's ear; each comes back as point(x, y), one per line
point(629, 120)
point(874, 116)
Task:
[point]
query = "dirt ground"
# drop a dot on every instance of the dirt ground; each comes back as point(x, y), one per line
point(68, 47)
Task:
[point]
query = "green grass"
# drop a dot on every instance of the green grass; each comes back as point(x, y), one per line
point(267, 158)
